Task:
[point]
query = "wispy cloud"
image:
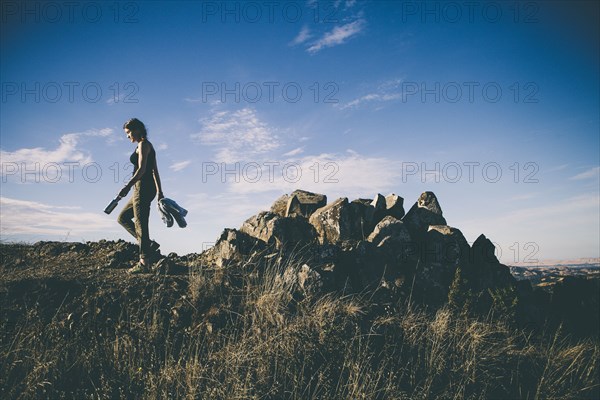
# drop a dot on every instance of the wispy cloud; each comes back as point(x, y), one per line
point(592, 173)
point(523, 197)
point(386, 91)
point(346, 174)
point(213, 102)
point(556, 168)
point(371, 97)
point(116, 99)
point(302, 36)
point(67, 151)
point(36, 218)
point(238, 136)
point(294, 152)
point(337, 36)
point(347, 3)
point(180, 165)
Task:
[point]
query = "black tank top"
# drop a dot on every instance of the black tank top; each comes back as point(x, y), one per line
point(147, 181)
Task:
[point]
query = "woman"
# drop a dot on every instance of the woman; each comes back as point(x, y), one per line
point(146, 184)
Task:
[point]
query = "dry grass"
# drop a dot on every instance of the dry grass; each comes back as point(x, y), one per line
point(246, 334)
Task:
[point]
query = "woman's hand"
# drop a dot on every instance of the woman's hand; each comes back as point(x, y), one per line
point(124, 191)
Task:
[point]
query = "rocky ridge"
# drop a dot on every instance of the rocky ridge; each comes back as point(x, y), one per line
point(374, 245)
point(366, 244)
point(359, 246)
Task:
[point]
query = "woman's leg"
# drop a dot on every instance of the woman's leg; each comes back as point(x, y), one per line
point(141, 211)
point(126, 218)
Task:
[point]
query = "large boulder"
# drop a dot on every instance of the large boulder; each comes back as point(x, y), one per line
point(359, 263)
point(485, 271)
point(364, 212)
point(396, 251)
point(394, 206)
point(369, 212)
point(389, 227)
point(442, 251)
point(299, 202)
point(379, 203)
point(337, 221)
point(483, 251)
point(379, 211)
point(232, 247)
point(426, 211)
point(304, 203)
point(279, 231)
point(444, 245)
point(280, 205)
point(261, 225)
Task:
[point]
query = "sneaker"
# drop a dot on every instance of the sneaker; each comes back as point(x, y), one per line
point(139, 269)
point(154, 254)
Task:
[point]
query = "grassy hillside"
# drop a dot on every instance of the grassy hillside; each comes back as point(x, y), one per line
point(73, 324)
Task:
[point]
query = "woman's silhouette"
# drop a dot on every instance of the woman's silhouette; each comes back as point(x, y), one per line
point(146, 184)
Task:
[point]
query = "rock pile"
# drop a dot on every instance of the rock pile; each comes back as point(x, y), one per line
point(365, 244)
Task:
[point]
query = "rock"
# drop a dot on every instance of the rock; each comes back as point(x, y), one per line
point(294, 231)
point(379, 211)
point(293, 206)
point(395, 252)
point(309, 280)
point(426, 211)
point(232, 247)
point(337, 221)
point(366, 267)
point(163, 266)
point(305, 281)
point(55, 248)
point(279, 231)
point(370, 211)
point(119, 258)
point(389, 226)
point(442, 252)
point(485, 270)
point(379, 203)
point(483, 251)
point(445, 245)
point(394, 206)
point(365, 214)
point(301, 202)
point(576, 304)
point(260, 225)
point(395, 247)
point(366, 202)
point(280, 205)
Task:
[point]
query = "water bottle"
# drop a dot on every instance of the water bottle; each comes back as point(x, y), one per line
point(112, 205)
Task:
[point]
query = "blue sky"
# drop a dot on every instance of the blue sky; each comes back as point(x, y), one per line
point(493, 106)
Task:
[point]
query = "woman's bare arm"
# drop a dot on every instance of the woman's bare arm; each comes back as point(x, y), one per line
point(157, 180)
